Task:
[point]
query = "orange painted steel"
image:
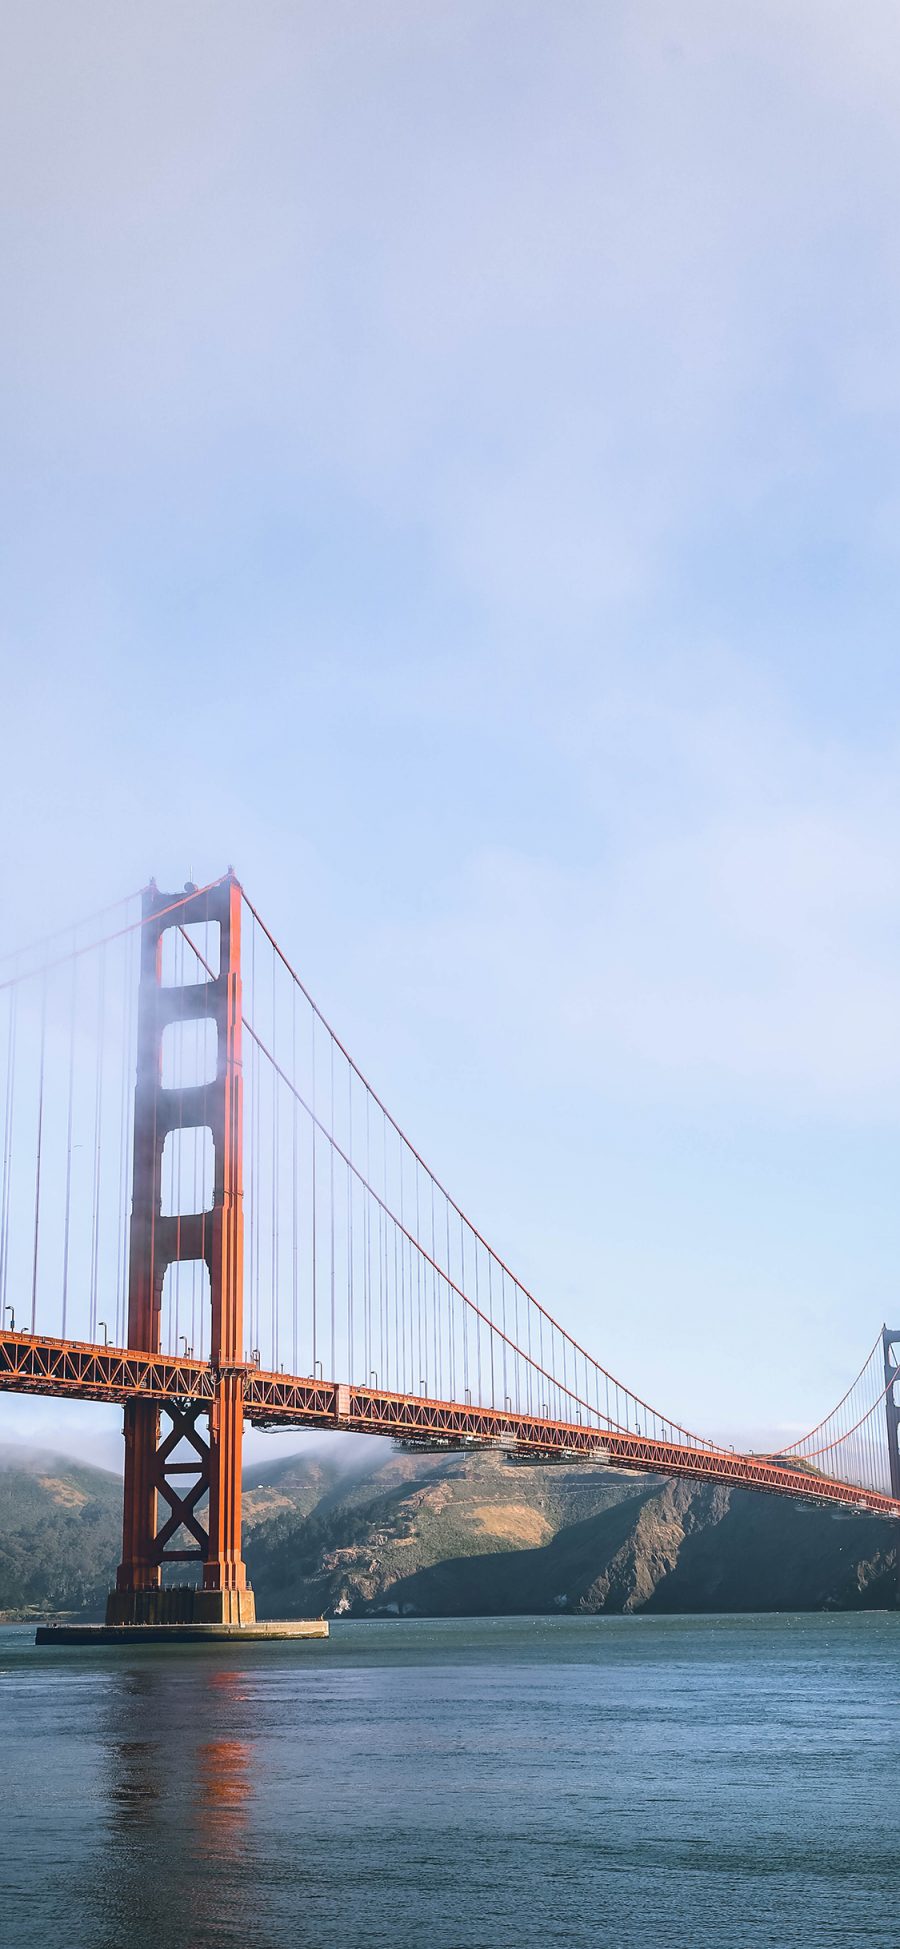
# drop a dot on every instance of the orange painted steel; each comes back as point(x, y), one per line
point(31, 1364)
point(159, 1241)
point(890, 1341)
point(284, 1401)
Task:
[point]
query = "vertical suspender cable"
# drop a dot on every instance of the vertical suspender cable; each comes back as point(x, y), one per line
point(70, 1104)
point(199, 1190)
point(331, 1200)
point(295, 1246)
point(348, 1367)
point(178, 1149)
point(315, 1219)
point(256, 1172)
point(397, 1377)
point(451, 1324)
point(479, 1327)
point(275, 1108)
point(8, 1115)
point(383, 1278)
point(367, 1224)
point(38, 1156)
point(465, 1310)
point(122, 1224)
point(435, 1309)
point(406, 1382)
point(423, 1338)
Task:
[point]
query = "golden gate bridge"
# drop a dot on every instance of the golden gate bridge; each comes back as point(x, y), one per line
point(208, 1215)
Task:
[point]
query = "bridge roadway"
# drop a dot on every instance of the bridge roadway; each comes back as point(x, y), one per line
point(31, 1364)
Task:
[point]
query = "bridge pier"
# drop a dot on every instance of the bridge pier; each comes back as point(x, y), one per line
point(185, 1467)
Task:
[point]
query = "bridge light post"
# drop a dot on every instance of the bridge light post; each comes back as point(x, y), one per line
point(105, 1332)
point(12, 1317)
point(373, 1376)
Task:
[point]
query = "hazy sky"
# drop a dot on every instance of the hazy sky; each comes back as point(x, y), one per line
point(451, 471)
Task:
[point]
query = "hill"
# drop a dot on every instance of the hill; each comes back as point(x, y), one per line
point(60, 1533)
point(361, 1530)
point(445, 1536)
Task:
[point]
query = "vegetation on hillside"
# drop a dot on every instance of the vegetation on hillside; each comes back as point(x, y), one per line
point(60, 1534)
point(365, 1530)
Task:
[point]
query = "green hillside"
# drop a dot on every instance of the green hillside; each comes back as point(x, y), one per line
point(60, 1533)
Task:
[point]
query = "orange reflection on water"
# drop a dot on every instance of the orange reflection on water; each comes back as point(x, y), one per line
point(223, 1789)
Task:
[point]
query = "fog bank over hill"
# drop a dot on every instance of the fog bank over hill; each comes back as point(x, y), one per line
point(361, 1529)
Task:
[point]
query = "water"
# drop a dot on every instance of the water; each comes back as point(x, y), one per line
point(714, 1783)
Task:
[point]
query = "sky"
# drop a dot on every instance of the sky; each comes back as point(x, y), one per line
point(450, 472)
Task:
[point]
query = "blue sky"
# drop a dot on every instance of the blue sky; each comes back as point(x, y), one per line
point(451, 471)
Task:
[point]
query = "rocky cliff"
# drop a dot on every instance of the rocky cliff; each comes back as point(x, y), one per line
point(450, 1536)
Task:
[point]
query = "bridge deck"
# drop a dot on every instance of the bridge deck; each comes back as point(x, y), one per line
point(35, 1365)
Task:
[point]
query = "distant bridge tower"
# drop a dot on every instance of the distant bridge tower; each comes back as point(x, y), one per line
point(892, 1405)
point(164, 1469)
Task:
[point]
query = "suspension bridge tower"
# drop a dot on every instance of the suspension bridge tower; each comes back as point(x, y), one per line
point(891, 1341)
point(168, 1475)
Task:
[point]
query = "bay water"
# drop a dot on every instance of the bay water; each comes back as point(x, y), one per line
point(705, 1783)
